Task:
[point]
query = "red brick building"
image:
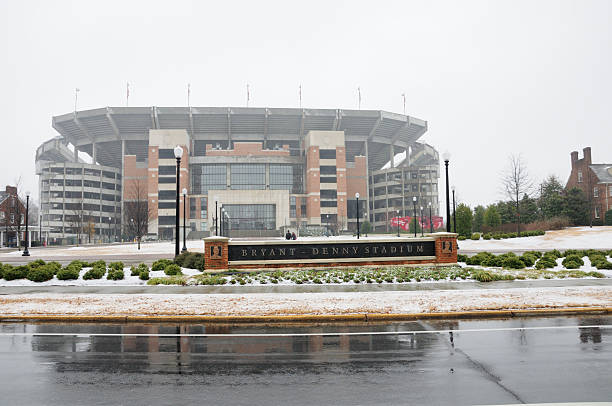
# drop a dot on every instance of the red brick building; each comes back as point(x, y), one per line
point(595, 180)
point(12, 216)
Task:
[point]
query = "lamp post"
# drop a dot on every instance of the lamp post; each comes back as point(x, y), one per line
point(178, 153)
point(216, 214)
point(414, 199)
point(40, 240)
point(421, 221)
point(397, 221)
point(430, 219)
point(357, 207)
point(446, 157)
point(184, 217)
point(454, 212)
point(26, 252)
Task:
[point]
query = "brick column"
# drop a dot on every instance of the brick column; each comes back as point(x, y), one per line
point(446, 248)
point(216, 252)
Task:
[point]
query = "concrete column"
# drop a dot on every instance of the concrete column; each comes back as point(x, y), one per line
point(392, 155)
point(367, 209)
point(120, 219)
point(93, 153)
point(76, 154)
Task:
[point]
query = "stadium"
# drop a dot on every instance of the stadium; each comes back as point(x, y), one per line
point(266, 168)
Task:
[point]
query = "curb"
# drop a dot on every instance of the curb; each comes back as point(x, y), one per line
point(323, 318)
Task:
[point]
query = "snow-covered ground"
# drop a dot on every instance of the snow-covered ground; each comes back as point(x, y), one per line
point(569, 238)
point(575, 237)
point(303, 303)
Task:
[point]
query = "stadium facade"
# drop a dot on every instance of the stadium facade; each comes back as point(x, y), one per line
point(268, 168)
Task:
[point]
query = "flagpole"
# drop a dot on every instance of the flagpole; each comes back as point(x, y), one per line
point(248, 96)
point(188, 94)
point(127, 95)
point(300, 96)
point(76, 96)
point(404, 97)
point(359, 93)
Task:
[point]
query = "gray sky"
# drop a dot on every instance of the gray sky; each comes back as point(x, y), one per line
point(491, 77)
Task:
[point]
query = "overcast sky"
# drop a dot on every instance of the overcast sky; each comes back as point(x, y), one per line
point(492, 78)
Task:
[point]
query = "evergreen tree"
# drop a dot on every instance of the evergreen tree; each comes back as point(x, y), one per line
point(551, 202)
point(608, 218)
point(366, 227)
point(576, 207)
point(507, 212)
point(492, 218)
point(529, 210)
point(464, 220)
point(479, 214)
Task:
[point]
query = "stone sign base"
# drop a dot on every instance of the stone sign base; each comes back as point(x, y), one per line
point(222, 253)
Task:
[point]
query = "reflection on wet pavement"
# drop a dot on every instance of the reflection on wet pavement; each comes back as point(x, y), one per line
point(490, 361)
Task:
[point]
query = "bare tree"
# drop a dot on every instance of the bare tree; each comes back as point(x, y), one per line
point(516, 183)
point(136, 209)
point(77, 221)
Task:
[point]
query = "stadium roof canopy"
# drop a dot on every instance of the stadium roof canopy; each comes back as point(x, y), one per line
point(106, 126)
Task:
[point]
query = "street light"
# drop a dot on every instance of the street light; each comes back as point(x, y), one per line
point(357, 204)
point(430, 219)
point(26, 253)
point(421, 221)
point(454, 212)
point(446, 157)
point(216, 214)
point(397, 220)
point(178, 153)
point(414, 199)
point(184, 216)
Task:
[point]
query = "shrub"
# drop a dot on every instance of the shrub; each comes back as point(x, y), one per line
point(54, 266)
point(486, 236)
point(144, 275)
point(180, 258)
point(194, 260)
point(482, 276)
point(462, 258)
point(68, 273)
point(571, 260)
point(173, 280)
point(513, 262)
point(36, 263)
point(546, 262)
point(115, 274)
point(478, 258)
point(536, 254)
point(40, 273)
point(99, 263)
point(528, 259)
point(461, 238)
point(118, 266)
point(475, 236)
point(554, 253)
point(172, 269)
point(138, 269)
point(17, 272)
point(160, 264)
point(208, 279)
point(96, 272)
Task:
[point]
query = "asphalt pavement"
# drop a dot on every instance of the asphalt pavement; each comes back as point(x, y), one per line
point(455, 362)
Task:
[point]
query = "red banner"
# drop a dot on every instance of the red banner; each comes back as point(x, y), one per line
point(404, 222)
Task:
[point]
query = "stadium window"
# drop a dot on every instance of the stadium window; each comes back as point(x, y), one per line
point(248, 176)
point(281, 177)
point(327, 154)
point(579, 176)
point(329, 203)
point(167, 170)
point(329, 194)
point(328, 170)
point(166, 153)
point(328, 179)
point(192, 209)
point(597, 212)
point(203, 208)
point(595, 192)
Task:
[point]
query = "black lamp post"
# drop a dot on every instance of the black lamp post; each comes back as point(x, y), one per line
point(398, 221)
point(26, 252)
point(446, 157)
point(454, 212)
point(178, 153)
point(184, 217)
point(216, 215)
point(421, 222)
point(430, 219)
point(414, 199)
point(357, 204)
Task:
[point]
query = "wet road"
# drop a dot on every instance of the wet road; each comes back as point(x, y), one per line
point(514, 361)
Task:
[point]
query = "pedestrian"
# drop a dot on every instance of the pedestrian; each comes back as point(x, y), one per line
point(288, 235)
point(293, 236)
